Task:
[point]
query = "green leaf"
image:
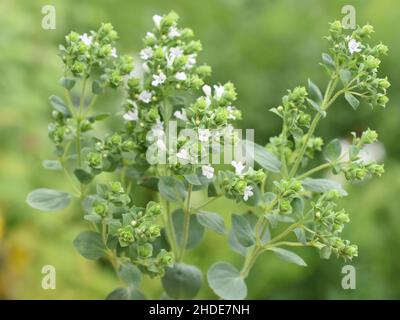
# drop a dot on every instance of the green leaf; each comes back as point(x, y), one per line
point(352, 100)
point(68, 83)
point(196, 230)
point(225, 280)
point(149, 182)
point(314, 91)
point(59, 105)
point(327, 59)
point(52, 164)
point(48, 199)
point(90, 245)
point(325, 252)
point(322, 185)
point(212, 190)
point(243, 231)
point(212, 221)
point(288, 256)
point(333, 150)
point(99, 116)
point(297, 207)
point(130, 274)
point(83, 176)
point(265, 159)
point(317, 107)
point(97, 87)
point(172, 189)
point(300, 235)
point(235, 245)
point(193, 179)
point(92, 218)
point(126, 294)
point(345, 76)
point(182, 281)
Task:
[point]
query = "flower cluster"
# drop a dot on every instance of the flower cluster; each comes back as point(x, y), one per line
point(355, 168)
point(358, 63)
point(240, 185)
point(326, 226)
point(133, 227)
point(85, 52)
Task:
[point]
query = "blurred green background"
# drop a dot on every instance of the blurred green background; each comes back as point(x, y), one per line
point(264, 47)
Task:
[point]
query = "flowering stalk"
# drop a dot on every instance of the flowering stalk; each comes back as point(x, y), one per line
point(290, 208)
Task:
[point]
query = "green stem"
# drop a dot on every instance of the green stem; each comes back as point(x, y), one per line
point(283, 157)
point(186, 223)
point(207, 202)
point(250, 260)
point(314, 170)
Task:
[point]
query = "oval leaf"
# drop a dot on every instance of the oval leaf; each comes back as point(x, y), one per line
point(126, 294)
point(322, 185)
point(130, 274)
point(90, 245)
point(352, 100)
point(182, 281)
point(243, 231)
point(333, 150)
point(225, 280)
point(314, 91)
point(172, 189)
point(212, 221)
point(196, 230)
point(48, 199)
point(59, 105)
point(52, 164)
point(289, 256)
point(83, 176)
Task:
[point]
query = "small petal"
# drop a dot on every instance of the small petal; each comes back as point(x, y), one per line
point(207, 171)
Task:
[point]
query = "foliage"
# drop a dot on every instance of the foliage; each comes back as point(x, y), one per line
point(289, 209)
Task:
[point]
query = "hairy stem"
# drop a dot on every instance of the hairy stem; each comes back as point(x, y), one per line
point(186, 223)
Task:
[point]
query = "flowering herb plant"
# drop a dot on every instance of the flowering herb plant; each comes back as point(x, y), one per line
point(289, 205)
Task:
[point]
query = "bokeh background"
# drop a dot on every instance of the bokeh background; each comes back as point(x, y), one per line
point(264, 47)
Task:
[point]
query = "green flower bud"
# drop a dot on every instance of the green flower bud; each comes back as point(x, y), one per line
point(304, 119)
point(106, 28)
point(158, 53)
point(366, 31)
point(145, 251)
point(105, 51)
point(165, 258)
point(100, 208)
point(230, 91)
point(95, 160)
point(170, 19)
point(152, 114)
point(382, 100)
point(154, 231)
point(335, 27)
point(342, 217)
point(196, 82)
point(377, 169)
point(221, 116)
point(115, 139)
point(239, 186)
point(153, 209)
point(384, 83)
point(187, 34)
point(127, 146)
point(360, 173)
point(134, 84)
point(350, 251)
point(116, 187)
point(284, 205)
point(381, 49)
point(368, 136)
point(371, 62)
point(115, 78)
point(203, 71)
point(78, 68)
point(125, 236)
point(193, 46)
point(126, 65)
point(72, 37)
point(86, 125)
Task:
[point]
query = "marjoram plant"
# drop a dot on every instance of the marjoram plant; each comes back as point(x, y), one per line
point(289, 206)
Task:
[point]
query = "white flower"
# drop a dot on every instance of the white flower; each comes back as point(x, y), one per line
point(157, 20)
point(207, 171)
point(173, 32)
point(132, 114)
point(181, 76)
point(183, 154)
point(174, 53)
point(219, 91)
point(150, 35)
point(239, 167)
point(114, 53)
point(191, 61)
point(158, 79)
point(146, 53)
point(207, 91)
point(86, 39)
point(204, 135)
point(157, 131)
point(354, 46)
point(145, 96)
point(181, 115)
point(231, 111)
point(248, 192)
